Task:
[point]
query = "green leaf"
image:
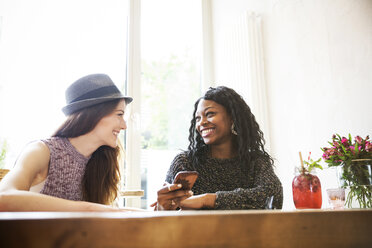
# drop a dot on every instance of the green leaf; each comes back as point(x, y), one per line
point(311, 164)
point(356, 149)
point(343, 148)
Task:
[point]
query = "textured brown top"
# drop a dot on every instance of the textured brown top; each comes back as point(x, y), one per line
point(66, 170)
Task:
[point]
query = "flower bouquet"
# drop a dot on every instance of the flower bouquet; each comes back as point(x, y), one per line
point(354, 158)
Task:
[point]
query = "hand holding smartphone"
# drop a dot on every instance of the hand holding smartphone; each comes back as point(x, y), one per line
point(186, 178)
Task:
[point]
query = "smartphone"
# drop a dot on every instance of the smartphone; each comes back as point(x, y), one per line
point(186, 178)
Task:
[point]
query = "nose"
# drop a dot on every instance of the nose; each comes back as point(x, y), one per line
point(203, 121)
point(123, 125)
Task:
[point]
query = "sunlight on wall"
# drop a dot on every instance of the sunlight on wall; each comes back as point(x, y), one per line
point(45, 46)
point(318, 60)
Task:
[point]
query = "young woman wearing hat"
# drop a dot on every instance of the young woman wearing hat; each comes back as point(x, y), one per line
point(227, 150)
point(77, 169)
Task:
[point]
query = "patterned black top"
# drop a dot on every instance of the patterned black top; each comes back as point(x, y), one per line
point(235, 187)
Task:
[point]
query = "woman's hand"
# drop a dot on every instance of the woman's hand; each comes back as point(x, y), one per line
point(170, 196)
point(198, 202)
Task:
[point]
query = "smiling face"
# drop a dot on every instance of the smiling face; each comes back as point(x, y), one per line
point(213, 123)
point(108, 128)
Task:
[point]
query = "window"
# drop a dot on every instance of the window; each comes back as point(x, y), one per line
point(45, 46)
point(170, 84)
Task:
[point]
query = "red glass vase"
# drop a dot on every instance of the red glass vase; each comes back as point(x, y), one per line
point(307, 191)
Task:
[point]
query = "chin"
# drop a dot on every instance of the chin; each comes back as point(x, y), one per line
point(112, 144)
point(207, 141)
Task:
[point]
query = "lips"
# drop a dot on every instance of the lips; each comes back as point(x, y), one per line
point(206, 132)
point(116, 133)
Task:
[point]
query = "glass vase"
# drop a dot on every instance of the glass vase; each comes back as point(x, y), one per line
point(355, 177)
point(307, 191)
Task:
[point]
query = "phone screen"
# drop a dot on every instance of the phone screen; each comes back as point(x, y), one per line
point(186, 178)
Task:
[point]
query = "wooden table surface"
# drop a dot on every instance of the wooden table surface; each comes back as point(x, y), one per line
point(246, 228)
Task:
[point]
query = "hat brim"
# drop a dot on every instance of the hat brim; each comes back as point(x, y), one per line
point(75, 106)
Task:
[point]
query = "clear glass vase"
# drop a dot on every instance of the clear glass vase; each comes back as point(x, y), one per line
point(355, 177)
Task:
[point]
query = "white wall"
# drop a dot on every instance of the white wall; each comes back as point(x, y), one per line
point(318, 67)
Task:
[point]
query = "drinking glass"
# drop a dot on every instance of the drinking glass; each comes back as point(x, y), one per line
point(336, 198)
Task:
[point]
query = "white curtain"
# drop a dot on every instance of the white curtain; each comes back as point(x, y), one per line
point(243, 66)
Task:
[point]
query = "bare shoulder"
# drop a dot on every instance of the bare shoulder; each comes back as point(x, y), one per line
point(31, 167)
point(37, 146)
point(37, 149)
point(35, 157)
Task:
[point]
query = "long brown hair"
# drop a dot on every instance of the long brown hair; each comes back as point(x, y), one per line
point(102, 174)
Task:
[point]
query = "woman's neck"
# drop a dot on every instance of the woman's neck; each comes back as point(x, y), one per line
point(223, 151)
point(84, 144)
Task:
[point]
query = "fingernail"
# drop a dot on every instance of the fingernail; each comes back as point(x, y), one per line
point(190, 192)
point(179, 185)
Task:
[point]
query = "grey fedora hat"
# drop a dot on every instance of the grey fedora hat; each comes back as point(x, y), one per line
point(91, 90)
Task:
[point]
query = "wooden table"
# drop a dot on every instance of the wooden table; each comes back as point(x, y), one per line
point(249, 228)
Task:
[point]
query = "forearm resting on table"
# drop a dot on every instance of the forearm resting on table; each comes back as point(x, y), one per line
point(210, 200)
point(19, 200)
point(199, 201)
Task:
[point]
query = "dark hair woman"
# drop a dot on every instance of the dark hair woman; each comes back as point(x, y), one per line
point(77, 169)
point(227, 150)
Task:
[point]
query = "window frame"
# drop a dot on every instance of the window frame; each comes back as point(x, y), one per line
point(132, 172)
point(132, 179)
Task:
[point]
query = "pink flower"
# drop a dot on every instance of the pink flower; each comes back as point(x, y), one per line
point(358, 139)
point(352, 149)
point(343, 149)
point(332, 151)
point(344, 141)
point(368, 146)
point(325, 156)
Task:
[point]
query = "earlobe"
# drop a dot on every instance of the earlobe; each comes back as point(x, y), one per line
point(233, 131)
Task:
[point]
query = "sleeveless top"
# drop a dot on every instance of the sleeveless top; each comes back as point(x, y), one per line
point(66, 170)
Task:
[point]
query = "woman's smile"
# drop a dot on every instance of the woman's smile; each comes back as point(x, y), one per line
point(206, 132)
point(116, 133)
point(213, 123)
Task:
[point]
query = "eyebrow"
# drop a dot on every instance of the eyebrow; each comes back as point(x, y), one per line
point(205, 109)
point(208, 108)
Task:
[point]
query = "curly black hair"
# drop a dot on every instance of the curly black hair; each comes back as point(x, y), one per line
point(249, 142)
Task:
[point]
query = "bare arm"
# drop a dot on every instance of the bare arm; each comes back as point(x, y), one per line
point(32, 168)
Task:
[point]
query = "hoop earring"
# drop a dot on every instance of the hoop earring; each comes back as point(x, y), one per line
point(233, 129)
